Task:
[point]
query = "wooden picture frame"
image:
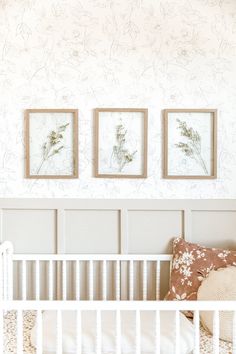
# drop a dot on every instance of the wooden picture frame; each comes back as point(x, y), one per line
point(189, 144)
point(58, 140)
point(130, 160)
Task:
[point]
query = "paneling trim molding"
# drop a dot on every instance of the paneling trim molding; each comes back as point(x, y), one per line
point(109, 204)
point(67, 227)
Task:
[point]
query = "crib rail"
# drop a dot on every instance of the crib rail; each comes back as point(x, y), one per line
point(92, 270)
point(117, 306)
point(69, 273)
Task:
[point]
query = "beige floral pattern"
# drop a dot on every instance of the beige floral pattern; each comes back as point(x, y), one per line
point(10, 338)
point(206, 344)
point(191, 264)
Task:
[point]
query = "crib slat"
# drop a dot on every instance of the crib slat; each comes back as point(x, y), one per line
point(196, 333)
point(90, 280)
point(117, 280)
point(137, 332)
point(177, 332)
point(39, 332)
point(64, 280)
point(77, 279)
point(118, 332)
point(19, 336)
point(23, 278)
point(50, 280)
point(131, 280)
point(7, 275)
point(37, 280)
point(98, 332)
point(104, 280)
point(216, 323)
point(78, 333)
point(158, 272)
point(59, 332)
point(10, 275)
point(157, 333)
point(234, 333)
point(144, 280)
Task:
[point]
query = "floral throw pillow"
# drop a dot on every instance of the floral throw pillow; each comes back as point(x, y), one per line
point(191, 264)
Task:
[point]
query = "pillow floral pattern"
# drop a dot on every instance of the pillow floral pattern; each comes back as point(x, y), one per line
point(191, 264)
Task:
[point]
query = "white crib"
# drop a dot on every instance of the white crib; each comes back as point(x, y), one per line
point(136, 285)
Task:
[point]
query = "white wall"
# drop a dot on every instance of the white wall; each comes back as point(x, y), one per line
point(110, 53)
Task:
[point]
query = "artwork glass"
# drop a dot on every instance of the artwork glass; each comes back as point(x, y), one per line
point(121, 143)
point(190, 144)
point(51, 143)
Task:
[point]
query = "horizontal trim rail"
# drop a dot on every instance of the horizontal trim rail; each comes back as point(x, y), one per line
point(120, 305)
point(108, 204)
point(91, 257)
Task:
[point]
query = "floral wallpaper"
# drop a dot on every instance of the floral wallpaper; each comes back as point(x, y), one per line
point(85, 54)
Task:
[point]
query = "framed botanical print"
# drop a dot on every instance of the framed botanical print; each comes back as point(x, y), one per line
point(190, 143)
point(51, 143)
point(121, 142)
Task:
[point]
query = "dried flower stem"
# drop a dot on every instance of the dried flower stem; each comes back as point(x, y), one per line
point(49, 150)
point(120, 153)
point(192, 148)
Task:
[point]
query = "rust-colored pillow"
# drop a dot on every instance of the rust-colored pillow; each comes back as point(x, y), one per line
point(191, 264)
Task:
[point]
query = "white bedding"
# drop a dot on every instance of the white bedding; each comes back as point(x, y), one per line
point(167, 324)
point(206, 341)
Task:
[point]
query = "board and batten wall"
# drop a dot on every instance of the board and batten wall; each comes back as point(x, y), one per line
point(112, 226)
point(115, 226)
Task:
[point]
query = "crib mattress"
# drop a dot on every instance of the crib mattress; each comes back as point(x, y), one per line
point(88, 324)
point(29, 322)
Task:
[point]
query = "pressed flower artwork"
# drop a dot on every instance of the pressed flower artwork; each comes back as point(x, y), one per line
point(51, 143)
point(121, 143)
point(190, 143)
